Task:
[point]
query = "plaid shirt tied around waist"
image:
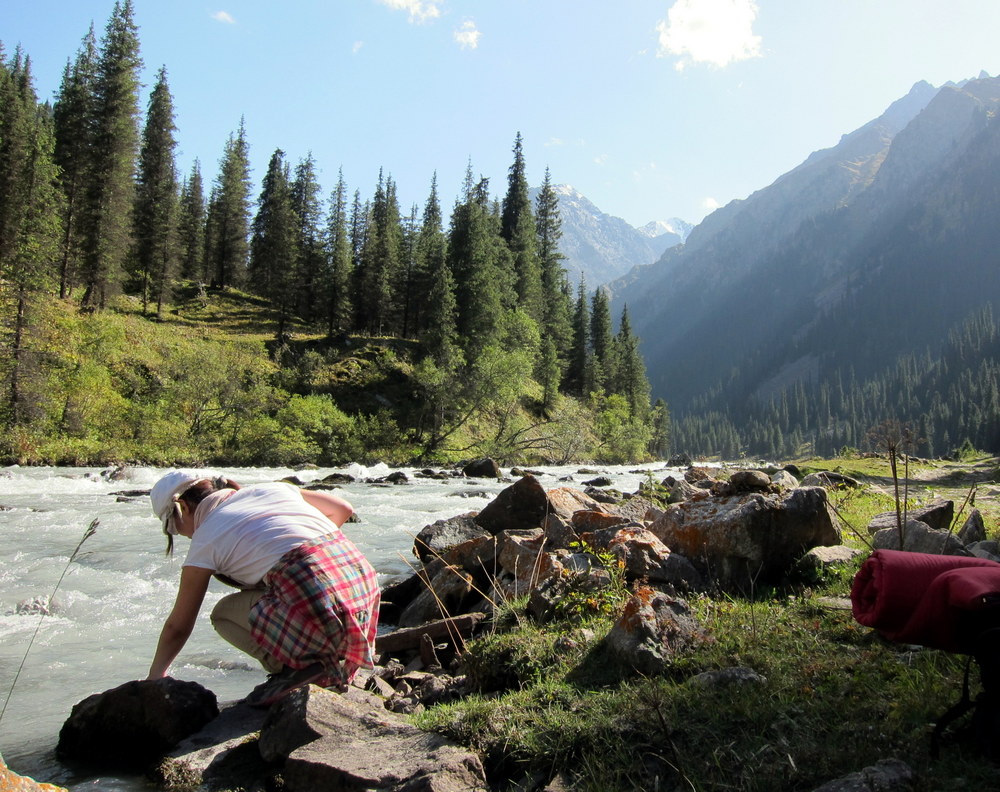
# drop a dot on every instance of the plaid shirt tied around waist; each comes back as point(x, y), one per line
point(321, 603)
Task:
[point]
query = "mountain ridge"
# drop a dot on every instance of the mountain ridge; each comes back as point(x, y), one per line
point(899, 207)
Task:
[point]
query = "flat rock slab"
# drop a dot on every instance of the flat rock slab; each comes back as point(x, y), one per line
point(223, 754)
point(349, 743)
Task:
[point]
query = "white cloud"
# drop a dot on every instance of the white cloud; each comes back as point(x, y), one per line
point(710, 204)
point(356, 47)
point(419, 10)
point(716, 32)
point(224, 16)
point(601, 159)
point(467, 35)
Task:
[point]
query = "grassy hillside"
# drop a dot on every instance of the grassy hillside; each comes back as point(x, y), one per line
point(207, 382)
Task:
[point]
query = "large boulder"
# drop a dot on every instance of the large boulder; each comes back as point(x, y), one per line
point(435, 539)
point(644, 557)
point(919, 537)
point(525, 505)
point(132, 726)
point(938, 515)
point(482, 468)
point(652, 630)
point(739, 541)
point(522, 505)
point(329, 741)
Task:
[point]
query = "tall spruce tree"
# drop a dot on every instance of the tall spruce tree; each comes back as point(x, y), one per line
point(480, 264)
point(274, 251)
point(107, 215)
point(557, 320)
point(191, 226)
point(517, 226)
point(601, 338)
point(630, 370)
point(155, 233)
point(229, 213)
point(408, 276)
point(430, 256)
point(74, 116)
point(338, 287)
point(312, 259)
point(579, 372)
point(30, 229)
point(380, 262)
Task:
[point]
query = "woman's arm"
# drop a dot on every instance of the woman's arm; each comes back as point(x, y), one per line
point(334, 508)
point(180, 622)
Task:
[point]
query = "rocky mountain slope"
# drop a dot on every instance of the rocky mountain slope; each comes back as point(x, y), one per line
point(868, 249)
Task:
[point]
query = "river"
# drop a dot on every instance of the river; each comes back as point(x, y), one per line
point(107, 612)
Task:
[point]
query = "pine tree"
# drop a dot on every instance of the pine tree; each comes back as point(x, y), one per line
point(338, 291)
point(107, 215)
point(630, 370)
point(407, 295)
point(191, 226)
point(578, 381)
point(312, 261)
point(229, 214)
point(74, 116)
point(480, 264)
point(430, 256)
point(274, 243)
point(30, 229)
point(517, 227)
point(156, 199)
point(556, 323)
point(601, 338)
point(380, 262)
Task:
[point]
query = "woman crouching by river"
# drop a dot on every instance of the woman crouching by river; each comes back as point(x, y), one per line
point(308, 603)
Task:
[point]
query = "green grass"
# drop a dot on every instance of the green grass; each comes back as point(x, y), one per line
point(837, 697)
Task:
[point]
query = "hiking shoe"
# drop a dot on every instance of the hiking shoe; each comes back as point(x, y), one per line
point(284, 682)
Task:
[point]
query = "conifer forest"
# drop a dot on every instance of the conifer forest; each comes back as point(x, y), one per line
point(164, 317)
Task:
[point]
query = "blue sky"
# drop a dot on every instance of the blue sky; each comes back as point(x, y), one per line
point(651, 108)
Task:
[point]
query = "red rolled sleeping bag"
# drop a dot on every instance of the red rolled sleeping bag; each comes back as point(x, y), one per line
point(924, 599)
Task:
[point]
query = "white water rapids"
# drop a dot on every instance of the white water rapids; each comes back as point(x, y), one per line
point(108, 610)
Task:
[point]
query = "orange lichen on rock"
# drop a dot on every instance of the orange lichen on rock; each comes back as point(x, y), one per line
point(12, 782)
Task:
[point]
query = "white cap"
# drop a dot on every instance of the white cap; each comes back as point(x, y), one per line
point(169, 488)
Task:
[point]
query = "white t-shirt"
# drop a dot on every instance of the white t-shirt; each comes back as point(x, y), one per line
point(246, 535)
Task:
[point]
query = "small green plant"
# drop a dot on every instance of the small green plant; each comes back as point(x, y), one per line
point(583, 598)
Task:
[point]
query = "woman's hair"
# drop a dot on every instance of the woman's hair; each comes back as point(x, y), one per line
point(196, 493)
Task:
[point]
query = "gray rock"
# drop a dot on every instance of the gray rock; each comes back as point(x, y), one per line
point(435, 539)
point(919, 538)
point(333, 742)
point(938, 515)
point(750, 481)
point(644, 556)
point(974, 529)
point(818, 559)
point(652, 630)
point(736, 675)
point(222, 755)
point(442, 596)
point(830, 480)
point(886, 775)
point(482, 468)
point(990, 549)
point(784, 479)
point(132, 726)
point(755, 538)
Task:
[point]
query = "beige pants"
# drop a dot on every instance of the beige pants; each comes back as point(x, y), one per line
point(231, 620)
